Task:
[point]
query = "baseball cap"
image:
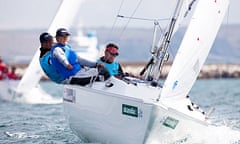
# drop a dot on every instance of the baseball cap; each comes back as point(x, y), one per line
point(45, 37)
point(62, 32)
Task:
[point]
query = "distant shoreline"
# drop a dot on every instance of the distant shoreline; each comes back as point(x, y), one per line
point(209, 71)
point(20, 45)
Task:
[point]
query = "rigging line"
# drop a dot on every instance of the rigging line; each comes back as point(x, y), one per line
point(161, 30)
point(147, 19)
point(227, 15)
point(125, 27)
point(115, 20)
point(227, 21)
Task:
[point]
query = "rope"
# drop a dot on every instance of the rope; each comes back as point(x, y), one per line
point(125, 27)
point(114, 23)
point(93, 78)
point(131, 17)
point(118, 14)
point(146, 19)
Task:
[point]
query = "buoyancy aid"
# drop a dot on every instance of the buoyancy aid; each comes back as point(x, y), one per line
point(49, 69)
point(71, 57)
point(111, 67)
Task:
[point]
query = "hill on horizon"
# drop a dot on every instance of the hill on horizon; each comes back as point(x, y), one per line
point(134, 43)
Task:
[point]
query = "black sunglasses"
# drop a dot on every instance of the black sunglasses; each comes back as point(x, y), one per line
point(113, 54)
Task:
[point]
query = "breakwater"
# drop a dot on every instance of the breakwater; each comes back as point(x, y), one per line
point(208, 70)
point(134, 68)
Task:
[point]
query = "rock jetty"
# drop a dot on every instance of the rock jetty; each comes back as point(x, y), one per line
point(208, 71)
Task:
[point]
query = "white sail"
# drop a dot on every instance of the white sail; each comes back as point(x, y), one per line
point(194, 48)
point(64, 18)
point(31, 76)
point(66, 15)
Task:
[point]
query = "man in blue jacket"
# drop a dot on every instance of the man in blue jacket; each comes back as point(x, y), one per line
point(70, 65)
point(46, 41)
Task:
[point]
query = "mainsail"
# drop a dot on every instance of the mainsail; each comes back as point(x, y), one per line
point(64, 18)
point(194, 48)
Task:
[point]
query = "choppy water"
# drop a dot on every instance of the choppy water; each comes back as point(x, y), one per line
point(46, 124)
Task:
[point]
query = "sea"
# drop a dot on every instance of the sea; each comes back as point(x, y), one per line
point(22, 123)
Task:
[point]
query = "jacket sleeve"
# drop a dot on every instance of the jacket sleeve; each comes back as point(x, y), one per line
point(84, 62)
point(60, 55)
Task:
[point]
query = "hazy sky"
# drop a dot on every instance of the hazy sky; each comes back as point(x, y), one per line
point(30, 14)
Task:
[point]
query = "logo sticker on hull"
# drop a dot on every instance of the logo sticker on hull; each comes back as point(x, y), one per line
point(130, 110)
point(69, 95)
point(170, 122)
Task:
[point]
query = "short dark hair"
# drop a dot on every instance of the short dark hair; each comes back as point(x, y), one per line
point(45, 37)
point(112, 45)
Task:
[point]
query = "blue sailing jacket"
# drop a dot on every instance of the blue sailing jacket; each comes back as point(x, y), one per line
point(49, 70)
point(111, 67)
point(72, 58)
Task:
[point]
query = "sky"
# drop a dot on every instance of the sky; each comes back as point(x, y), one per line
point(35, 14)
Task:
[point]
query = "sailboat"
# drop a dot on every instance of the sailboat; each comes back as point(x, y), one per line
point(85, 45)
point(28, 90)
point(133, 111)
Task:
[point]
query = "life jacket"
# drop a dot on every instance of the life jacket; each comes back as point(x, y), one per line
point(111, 67)
point(71, 57)
point(49, 69)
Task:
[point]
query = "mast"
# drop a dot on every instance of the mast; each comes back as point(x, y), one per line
point(164, 42)
point(194, 49)
point(159, 54)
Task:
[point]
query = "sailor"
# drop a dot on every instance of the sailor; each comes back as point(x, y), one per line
point(70, 65)
point(114, 68)
point(46, 41)
point(12, 74)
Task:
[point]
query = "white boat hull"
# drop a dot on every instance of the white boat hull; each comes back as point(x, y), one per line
point(119, 112)
point(98, 114)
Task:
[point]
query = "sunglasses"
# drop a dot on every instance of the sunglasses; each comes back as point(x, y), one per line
point(113, 54)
